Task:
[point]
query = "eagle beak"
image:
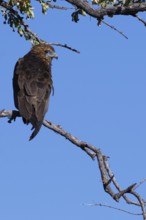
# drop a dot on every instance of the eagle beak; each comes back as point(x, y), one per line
point(51, 54)
point(54, 55)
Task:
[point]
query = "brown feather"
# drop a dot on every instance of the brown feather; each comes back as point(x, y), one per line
point(32, 84)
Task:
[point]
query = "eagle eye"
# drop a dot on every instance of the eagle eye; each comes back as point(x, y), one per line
point(46, 51)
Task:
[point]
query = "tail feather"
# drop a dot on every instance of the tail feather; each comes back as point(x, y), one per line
point(36, 130)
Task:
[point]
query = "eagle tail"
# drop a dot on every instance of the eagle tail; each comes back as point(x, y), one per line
point(36, 130)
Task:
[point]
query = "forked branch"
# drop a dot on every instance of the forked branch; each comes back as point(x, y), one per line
point(99, 13)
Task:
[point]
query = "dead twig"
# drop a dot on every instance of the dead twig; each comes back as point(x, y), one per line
point(115, 29)
point(65, 46)
point(140, 19)
point(112, 207)
point(141, 202)
point(140, 183)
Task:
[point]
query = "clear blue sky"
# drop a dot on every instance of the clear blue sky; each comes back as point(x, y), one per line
point(100, 97)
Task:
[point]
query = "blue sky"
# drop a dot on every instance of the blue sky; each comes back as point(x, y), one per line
point(100, 97)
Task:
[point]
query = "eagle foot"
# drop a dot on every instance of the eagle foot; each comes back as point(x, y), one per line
point(15, 114)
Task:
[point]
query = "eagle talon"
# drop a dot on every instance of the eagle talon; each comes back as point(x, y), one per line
point(15, 114)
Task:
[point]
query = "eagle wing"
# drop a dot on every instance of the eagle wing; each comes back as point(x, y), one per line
point(32, 85)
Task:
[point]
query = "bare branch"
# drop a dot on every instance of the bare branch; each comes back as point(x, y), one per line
point(115, 29)
point(107, 176)
point(5, 113)
point(140, 183)
point(65, 46)
point(112, 207)
point(140, 19)
point(122, 192)
point(114, 181)
point(141, 202)
point(88, 148)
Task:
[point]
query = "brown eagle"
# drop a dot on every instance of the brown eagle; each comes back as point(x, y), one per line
point(32, 85)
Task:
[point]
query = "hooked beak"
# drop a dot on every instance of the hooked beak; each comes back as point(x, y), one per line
point(54, 55)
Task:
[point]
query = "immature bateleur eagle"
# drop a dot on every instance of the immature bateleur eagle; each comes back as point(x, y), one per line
point(32, 84)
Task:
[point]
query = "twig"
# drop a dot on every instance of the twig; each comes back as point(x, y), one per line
point(112, 207)
point(115, 29)
point(140, 19)
point(140, 183)
point(65, 46)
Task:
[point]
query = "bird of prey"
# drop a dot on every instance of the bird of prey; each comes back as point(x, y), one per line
point(32, 85)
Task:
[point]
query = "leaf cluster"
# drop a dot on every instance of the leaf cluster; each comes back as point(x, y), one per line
point(16, 12)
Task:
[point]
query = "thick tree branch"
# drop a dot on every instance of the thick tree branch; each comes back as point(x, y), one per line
point(131, 9)
point(81, 144)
